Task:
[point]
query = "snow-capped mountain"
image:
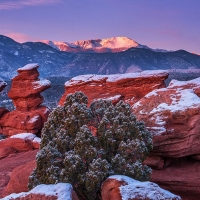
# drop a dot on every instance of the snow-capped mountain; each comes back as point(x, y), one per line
point(114, 44)
point(54, 62)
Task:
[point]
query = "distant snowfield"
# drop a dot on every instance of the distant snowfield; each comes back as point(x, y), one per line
point(115, 44)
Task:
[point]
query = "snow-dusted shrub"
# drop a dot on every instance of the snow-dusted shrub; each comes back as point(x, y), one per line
point(71, 153)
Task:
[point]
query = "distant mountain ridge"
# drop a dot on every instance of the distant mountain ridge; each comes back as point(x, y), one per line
point(56, 63)
point(114, 44)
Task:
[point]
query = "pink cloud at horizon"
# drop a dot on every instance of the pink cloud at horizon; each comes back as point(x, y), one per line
point(20, 37)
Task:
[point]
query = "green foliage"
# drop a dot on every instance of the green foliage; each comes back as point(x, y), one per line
point(71, 153)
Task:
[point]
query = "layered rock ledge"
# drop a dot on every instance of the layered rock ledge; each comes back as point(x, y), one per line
point(129, 87)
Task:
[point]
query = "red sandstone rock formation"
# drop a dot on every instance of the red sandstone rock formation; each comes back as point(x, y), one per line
point(29, 116)
point(172, 114)
point(119, 187)
point(46, 192)
point(128, 87)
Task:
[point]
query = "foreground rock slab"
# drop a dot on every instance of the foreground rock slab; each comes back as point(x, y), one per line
point(11, 162)
point(128, 87)
point(19, 179)
point(181, 177)
point(120, 187)
point(60, 191)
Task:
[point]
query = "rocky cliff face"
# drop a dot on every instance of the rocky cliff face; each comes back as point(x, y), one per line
point(29, 115)
point(129, 87)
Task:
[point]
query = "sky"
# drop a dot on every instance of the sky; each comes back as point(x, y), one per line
point(165, 24)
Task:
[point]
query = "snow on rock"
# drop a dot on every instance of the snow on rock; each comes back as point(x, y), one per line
point(83, 79)
point(29, 67)
point(60, 191)
point(33, 119)
point(42, 83)
point(24, 136)
point(31, 139)
point(123, 187)
point(131, 86)
point(37, 140)
point(172, 115)
point(174, 83)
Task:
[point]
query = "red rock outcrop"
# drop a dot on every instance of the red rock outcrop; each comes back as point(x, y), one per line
point(29, 116)
point(128, 87)
point(119, 187)
point(46, 192)
point(172, 114)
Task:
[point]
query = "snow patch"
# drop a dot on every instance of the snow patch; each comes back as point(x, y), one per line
point(188, 99)
point(61, 190)
point(142, 190)
point(83, 79)
point(41, 83)
point(175, 83)
point(33, 119)
point(29, 67)
point(37, 140)
point(24, 136)
point(16, 53)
